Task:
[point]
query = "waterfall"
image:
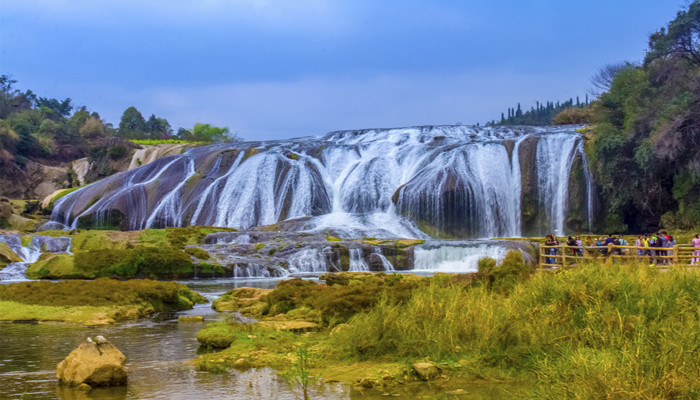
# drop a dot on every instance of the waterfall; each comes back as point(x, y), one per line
point(455, 257)
point(308, 260)
point(30, 252)
point(385, 263)
point(456, 181)
point(555, 155)
point(357, 261)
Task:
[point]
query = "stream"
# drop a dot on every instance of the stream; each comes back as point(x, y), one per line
point(157, 349)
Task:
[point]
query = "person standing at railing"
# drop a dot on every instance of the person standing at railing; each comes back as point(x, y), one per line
point(579, 243)
point(554, 250)
point(571, 242)
point(696, 253)
point(549, 241)
point(601, 243)
point(647, 248)
point(663, 243)
point(623, 242)
point(639, 243)
point(671, 244)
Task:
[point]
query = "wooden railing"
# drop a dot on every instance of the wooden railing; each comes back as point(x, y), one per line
point(566, 256)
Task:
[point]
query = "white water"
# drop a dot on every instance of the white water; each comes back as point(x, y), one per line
point(308, 260)
point(456, 258)
point(357, 261)
point(382, 183)
point(30, 253)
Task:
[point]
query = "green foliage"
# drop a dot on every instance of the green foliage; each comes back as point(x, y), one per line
point(679, 39)
point(153, 142)
point(117, 152)
point(343, 298)
point(217, 335)
point(300, 370)
point(101, 292)
point(208, 133)
point(598, 331)
point(197, 252)
point(544, 113)
point(137, 262)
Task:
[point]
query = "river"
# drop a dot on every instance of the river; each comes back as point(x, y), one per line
point(157, 350)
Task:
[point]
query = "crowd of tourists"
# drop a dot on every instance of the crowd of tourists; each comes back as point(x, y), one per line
point(656, 246)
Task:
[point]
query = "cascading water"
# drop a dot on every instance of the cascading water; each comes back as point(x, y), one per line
point(30, 252)
point(456, 257)
point(410, 182)
point(357, 261)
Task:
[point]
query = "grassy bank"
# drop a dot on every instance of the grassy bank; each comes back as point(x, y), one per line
point(150, 253)
point(596, 331)
point(97, 302)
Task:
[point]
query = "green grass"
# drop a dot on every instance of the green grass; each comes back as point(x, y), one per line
point(621, 331)
point(151, 142)
point(596, 331)
point(92, 302)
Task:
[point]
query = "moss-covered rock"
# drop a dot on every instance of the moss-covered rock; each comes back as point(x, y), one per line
point(7, 255)
point(217, 335)
point(93, 302)
point(248, 301)
point(197, 252)
point(139, 262)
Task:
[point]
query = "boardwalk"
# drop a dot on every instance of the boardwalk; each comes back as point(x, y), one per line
point(568, 256)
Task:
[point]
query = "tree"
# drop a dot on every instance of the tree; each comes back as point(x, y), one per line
point(92, 128)
point(604, 77)
point(59, 108)
point(158, 128)
point(132, 124)
point(681, 38)
point(184, 134)
point(207, 133)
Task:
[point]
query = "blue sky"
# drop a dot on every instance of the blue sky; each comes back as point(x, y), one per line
point(272, 69)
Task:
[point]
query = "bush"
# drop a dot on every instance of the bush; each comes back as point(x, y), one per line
point(117, 152)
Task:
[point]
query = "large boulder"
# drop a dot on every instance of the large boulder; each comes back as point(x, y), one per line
point(96, 363)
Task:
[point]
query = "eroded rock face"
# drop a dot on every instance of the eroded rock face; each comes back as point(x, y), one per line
point(95, 363)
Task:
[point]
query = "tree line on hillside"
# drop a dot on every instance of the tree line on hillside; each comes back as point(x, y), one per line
point(52, 131)
point(540, 114)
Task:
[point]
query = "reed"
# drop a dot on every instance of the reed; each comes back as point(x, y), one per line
point(603, 331)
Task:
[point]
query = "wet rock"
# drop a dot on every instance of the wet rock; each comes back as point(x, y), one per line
point(93, 363)
point(191, 318)
point(246, 300)
point(427, 371)
point(241, 364)
point(84, 387)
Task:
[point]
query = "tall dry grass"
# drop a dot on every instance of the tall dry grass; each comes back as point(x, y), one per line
point(597, 331)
